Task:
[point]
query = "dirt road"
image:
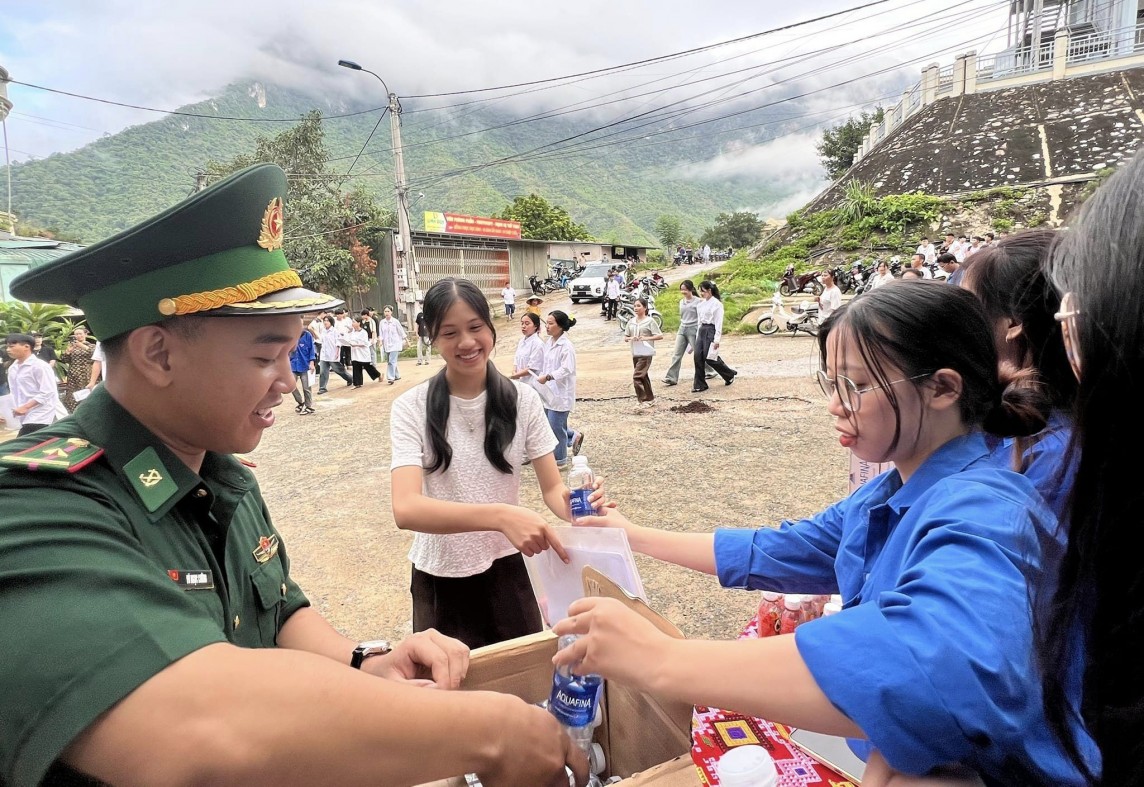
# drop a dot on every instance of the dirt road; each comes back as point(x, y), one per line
point(764, 451)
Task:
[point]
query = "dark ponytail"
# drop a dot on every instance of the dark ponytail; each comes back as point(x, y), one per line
point(1021, 404)
point(563, 320)
point(501, 401)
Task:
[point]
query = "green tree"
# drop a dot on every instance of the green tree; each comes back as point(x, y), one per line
point(669, 230)
point(50, 319)
point(738, 229)
point(540, 220)
point(323, 220)
point(840, 144)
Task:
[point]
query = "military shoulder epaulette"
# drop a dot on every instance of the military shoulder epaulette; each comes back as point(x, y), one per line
point(58, 455)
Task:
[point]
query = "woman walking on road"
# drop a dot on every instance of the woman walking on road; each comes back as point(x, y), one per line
point(392, 335)
point(361, 354)
point(642, 333)
point(459, 441)
point(77, 356)
point(710, 333)
point(530, 352)
point(424, 347)
point(688, 329)
point(330, 357)
point(559, 374)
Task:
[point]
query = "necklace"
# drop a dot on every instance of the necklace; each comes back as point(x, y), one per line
point(465, 418)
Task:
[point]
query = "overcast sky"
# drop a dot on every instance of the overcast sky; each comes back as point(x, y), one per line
point(167, 54)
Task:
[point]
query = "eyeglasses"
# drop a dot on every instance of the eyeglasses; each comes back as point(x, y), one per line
point(1069, 333)
point(849, 393)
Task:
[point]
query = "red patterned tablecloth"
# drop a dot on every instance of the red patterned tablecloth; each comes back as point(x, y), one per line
point(714, 731)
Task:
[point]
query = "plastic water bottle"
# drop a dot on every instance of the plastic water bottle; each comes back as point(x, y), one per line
point(770, 611)
point(580, 482)
point(792, 616)
point(575, 702)
point(747, 766)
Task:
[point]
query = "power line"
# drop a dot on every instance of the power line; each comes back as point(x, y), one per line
point(929, 19)
point(181, 113)
point(659, 58)
point(367, 139)
point(527, 156)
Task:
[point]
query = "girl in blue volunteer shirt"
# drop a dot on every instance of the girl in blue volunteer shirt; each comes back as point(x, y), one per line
point(930, 663)
point(1010, 281)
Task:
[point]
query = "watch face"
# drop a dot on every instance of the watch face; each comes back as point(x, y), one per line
point(376, 644)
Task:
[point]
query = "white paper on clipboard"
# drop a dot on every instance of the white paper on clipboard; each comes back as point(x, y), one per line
point(557, 584)
point(542, 389)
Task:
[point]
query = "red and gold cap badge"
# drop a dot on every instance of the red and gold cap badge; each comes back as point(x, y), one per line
point(271, 236)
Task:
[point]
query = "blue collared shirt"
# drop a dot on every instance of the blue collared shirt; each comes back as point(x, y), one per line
point(932, 655)
point(1044, 460)
point(303, 353)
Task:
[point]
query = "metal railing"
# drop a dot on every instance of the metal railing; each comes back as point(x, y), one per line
point(1015, 62)
point(1103, 45)
point(945, 81)
point(915, 99)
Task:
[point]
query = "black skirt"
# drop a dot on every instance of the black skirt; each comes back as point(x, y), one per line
point(482, 609)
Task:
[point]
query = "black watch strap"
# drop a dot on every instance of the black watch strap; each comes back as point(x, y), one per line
point(377, 647)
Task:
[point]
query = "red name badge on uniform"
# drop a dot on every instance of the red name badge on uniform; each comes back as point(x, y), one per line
point(197, 579)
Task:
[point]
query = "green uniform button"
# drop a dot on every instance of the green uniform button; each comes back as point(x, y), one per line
point(200, 492)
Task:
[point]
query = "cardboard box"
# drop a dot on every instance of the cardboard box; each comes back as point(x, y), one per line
point(644, 740)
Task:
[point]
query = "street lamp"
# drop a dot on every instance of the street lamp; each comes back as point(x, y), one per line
point(408, 273)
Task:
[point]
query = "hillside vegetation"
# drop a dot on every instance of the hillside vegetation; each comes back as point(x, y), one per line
point(617, 191)
point(862, 228)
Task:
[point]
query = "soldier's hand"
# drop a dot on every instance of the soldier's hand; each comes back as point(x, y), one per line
point(534, 750)
point(427, 658)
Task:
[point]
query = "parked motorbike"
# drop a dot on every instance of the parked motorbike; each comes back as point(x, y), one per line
point(805, 320)
point(792, 284)
point(626, 313)
point(843, 278)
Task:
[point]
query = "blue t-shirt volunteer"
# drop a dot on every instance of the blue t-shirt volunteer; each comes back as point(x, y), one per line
point(932, 655)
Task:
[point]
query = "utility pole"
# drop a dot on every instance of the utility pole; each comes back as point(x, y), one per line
point(407, 261)
point(405, 267)
point(5, 107)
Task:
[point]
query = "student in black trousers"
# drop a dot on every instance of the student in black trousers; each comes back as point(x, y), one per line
point(710, 333)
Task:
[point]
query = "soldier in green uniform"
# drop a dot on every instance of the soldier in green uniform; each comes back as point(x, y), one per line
point(149, 628)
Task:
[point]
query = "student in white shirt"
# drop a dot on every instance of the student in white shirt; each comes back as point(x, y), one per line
point(917, 262)
point(559, 375)
point(32, 382)
point(927, 250)
point(642, 333)
point(883, 276)
point(361, 354)
point(529, 357)
point(612, 296)
point(509, 295)
point(707, 341)
point(391, 334)
point(831, 297)
point(459, 441)
point(330, 357)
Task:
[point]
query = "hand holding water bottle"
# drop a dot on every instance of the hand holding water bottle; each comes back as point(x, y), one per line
point(613, 641)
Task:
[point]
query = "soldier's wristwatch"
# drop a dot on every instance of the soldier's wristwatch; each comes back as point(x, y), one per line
point(374, 647)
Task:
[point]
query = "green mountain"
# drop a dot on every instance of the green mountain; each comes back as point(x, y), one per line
point(617, 191)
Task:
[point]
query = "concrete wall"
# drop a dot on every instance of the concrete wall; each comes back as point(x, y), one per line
point(1045, 133)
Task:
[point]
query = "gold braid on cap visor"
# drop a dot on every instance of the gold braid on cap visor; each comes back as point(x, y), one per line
point(229, 296)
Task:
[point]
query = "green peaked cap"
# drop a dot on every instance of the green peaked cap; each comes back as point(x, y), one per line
point(216, 253)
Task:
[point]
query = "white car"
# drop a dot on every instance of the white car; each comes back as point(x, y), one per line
point(591, 285)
